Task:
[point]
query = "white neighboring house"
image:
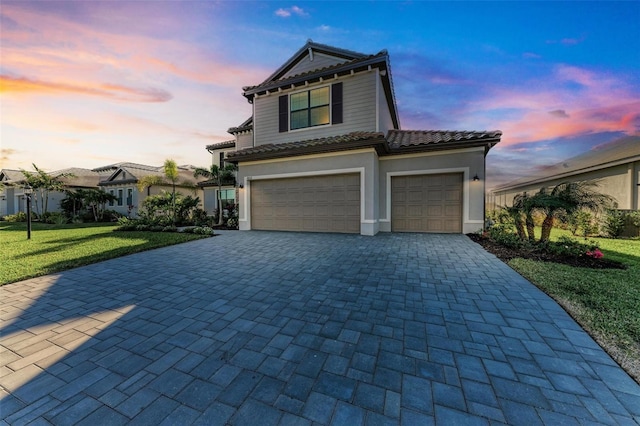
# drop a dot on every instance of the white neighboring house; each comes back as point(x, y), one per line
point(121, 180)
point(13, 199)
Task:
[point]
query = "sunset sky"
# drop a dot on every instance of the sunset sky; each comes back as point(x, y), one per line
point(86, 83)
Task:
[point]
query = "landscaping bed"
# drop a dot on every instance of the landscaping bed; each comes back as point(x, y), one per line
point(505, 254)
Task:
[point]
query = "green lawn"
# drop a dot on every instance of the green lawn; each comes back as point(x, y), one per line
point(605, 302)
point(54, 248)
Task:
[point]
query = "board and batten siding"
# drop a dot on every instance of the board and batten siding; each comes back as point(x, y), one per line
point(359, 104)
point(319, 61)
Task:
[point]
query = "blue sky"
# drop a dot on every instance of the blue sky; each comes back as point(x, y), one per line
point(86, 84)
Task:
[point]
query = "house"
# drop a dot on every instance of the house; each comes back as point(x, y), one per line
point(614, 166)
point(323, 152)
point(12, 197)
point(121, 180)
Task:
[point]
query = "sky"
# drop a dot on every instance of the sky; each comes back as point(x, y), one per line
point(91, 83)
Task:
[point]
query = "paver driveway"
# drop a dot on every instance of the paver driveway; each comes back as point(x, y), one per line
point(283, 328)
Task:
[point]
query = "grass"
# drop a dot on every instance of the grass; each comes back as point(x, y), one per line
point(605, 302)
point(54, 248)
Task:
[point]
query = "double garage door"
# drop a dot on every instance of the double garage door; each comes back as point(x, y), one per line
point(427, 203)
point(314, 204)
point(331, 203)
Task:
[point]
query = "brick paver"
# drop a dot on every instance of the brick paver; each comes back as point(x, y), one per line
point(285, 328)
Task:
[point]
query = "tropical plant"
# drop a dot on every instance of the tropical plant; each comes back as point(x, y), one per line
point(567, 198)
point(42, 184)
point(171, 175)
point(96, 201)
point(219, 176)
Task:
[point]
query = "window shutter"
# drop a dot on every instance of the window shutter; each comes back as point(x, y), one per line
point(336, 103)
point(284, 113)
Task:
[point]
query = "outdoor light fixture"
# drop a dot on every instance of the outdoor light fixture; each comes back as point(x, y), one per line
point(27, 192)
point(241, 186)
point(476, 178)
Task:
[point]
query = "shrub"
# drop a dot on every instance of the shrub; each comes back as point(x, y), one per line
point(200, 230)
point(18, 217)
point(581, 223)
point(505, 235)
point(569, 247)
point(613, 223)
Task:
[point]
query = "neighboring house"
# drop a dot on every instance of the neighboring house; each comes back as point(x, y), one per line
point(121, 180)
point(615, 167)
point(210, 188)
point(12, 198)
point(323, 152)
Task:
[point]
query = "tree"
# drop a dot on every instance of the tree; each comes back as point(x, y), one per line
point(97, 201)
point(42, 183)
point(170, 169)
point(218, 176)
point(566, 197)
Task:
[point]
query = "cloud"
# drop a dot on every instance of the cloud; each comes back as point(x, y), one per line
point(106, 90)
point(560, 113)
point(531, 55)
point(288, 12)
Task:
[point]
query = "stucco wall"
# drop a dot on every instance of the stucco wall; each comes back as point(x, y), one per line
point(619, 182)
point(361, 161)
point(469, 162)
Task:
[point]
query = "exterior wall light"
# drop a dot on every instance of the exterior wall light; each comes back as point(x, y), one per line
point(476, 178)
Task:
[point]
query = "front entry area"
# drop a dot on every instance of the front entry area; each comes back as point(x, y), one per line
point(327, 203)
point(427, 203)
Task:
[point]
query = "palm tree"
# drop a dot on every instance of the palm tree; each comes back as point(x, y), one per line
point(170, 169)
point(219, 176)
point(567, 197)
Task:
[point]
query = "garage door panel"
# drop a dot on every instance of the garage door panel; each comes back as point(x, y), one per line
point(427, 203)
point(319, 204)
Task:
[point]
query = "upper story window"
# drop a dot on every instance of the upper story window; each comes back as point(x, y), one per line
point(315, 107)
point(221, 160)
point(310, 108)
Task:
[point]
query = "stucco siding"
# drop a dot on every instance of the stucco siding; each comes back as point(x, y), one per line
point(359, 106)
point(467, 162)
point(617, 181)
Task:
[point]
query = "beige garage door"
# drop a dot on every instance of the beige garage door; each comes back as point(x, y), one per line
point(427, 203)
point(312, 204)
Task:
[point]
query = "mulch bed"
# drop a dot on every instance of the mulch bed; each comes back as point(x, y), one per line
point(507, 253)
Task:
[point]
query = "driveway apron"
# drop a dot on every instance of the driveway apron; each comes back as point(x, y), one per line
point(251, 328)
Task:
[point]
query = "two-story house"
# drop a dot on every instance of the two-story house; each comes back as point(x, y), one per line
point(323, 152)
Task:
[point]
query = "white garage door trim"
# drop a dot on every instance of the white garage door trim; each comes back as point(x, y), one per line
point(246, 205)
point(465, 189)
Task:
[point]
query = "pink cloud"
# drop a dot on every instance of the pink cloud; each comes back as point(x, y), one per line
point(597, 102)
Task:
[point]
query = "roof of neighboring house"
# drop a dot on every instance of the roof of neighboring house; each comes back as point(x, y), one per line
point(396, 142)
point(221, 145)
point(83, 178)
point(139, 171)
point(10, 175)
point(353, 62)
point(619, 151)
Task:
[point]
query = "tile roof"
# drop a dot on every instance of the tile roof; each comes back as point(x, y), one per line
point(245, 126)
point(625, 149)
point(396, 142)
point(349, 141)
point(221, 145)
point(401, 140)
point(340, 68)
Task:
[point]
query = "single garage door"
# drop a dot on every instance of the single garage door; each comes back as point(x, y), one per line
point(427, 203)
point(313, 204)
